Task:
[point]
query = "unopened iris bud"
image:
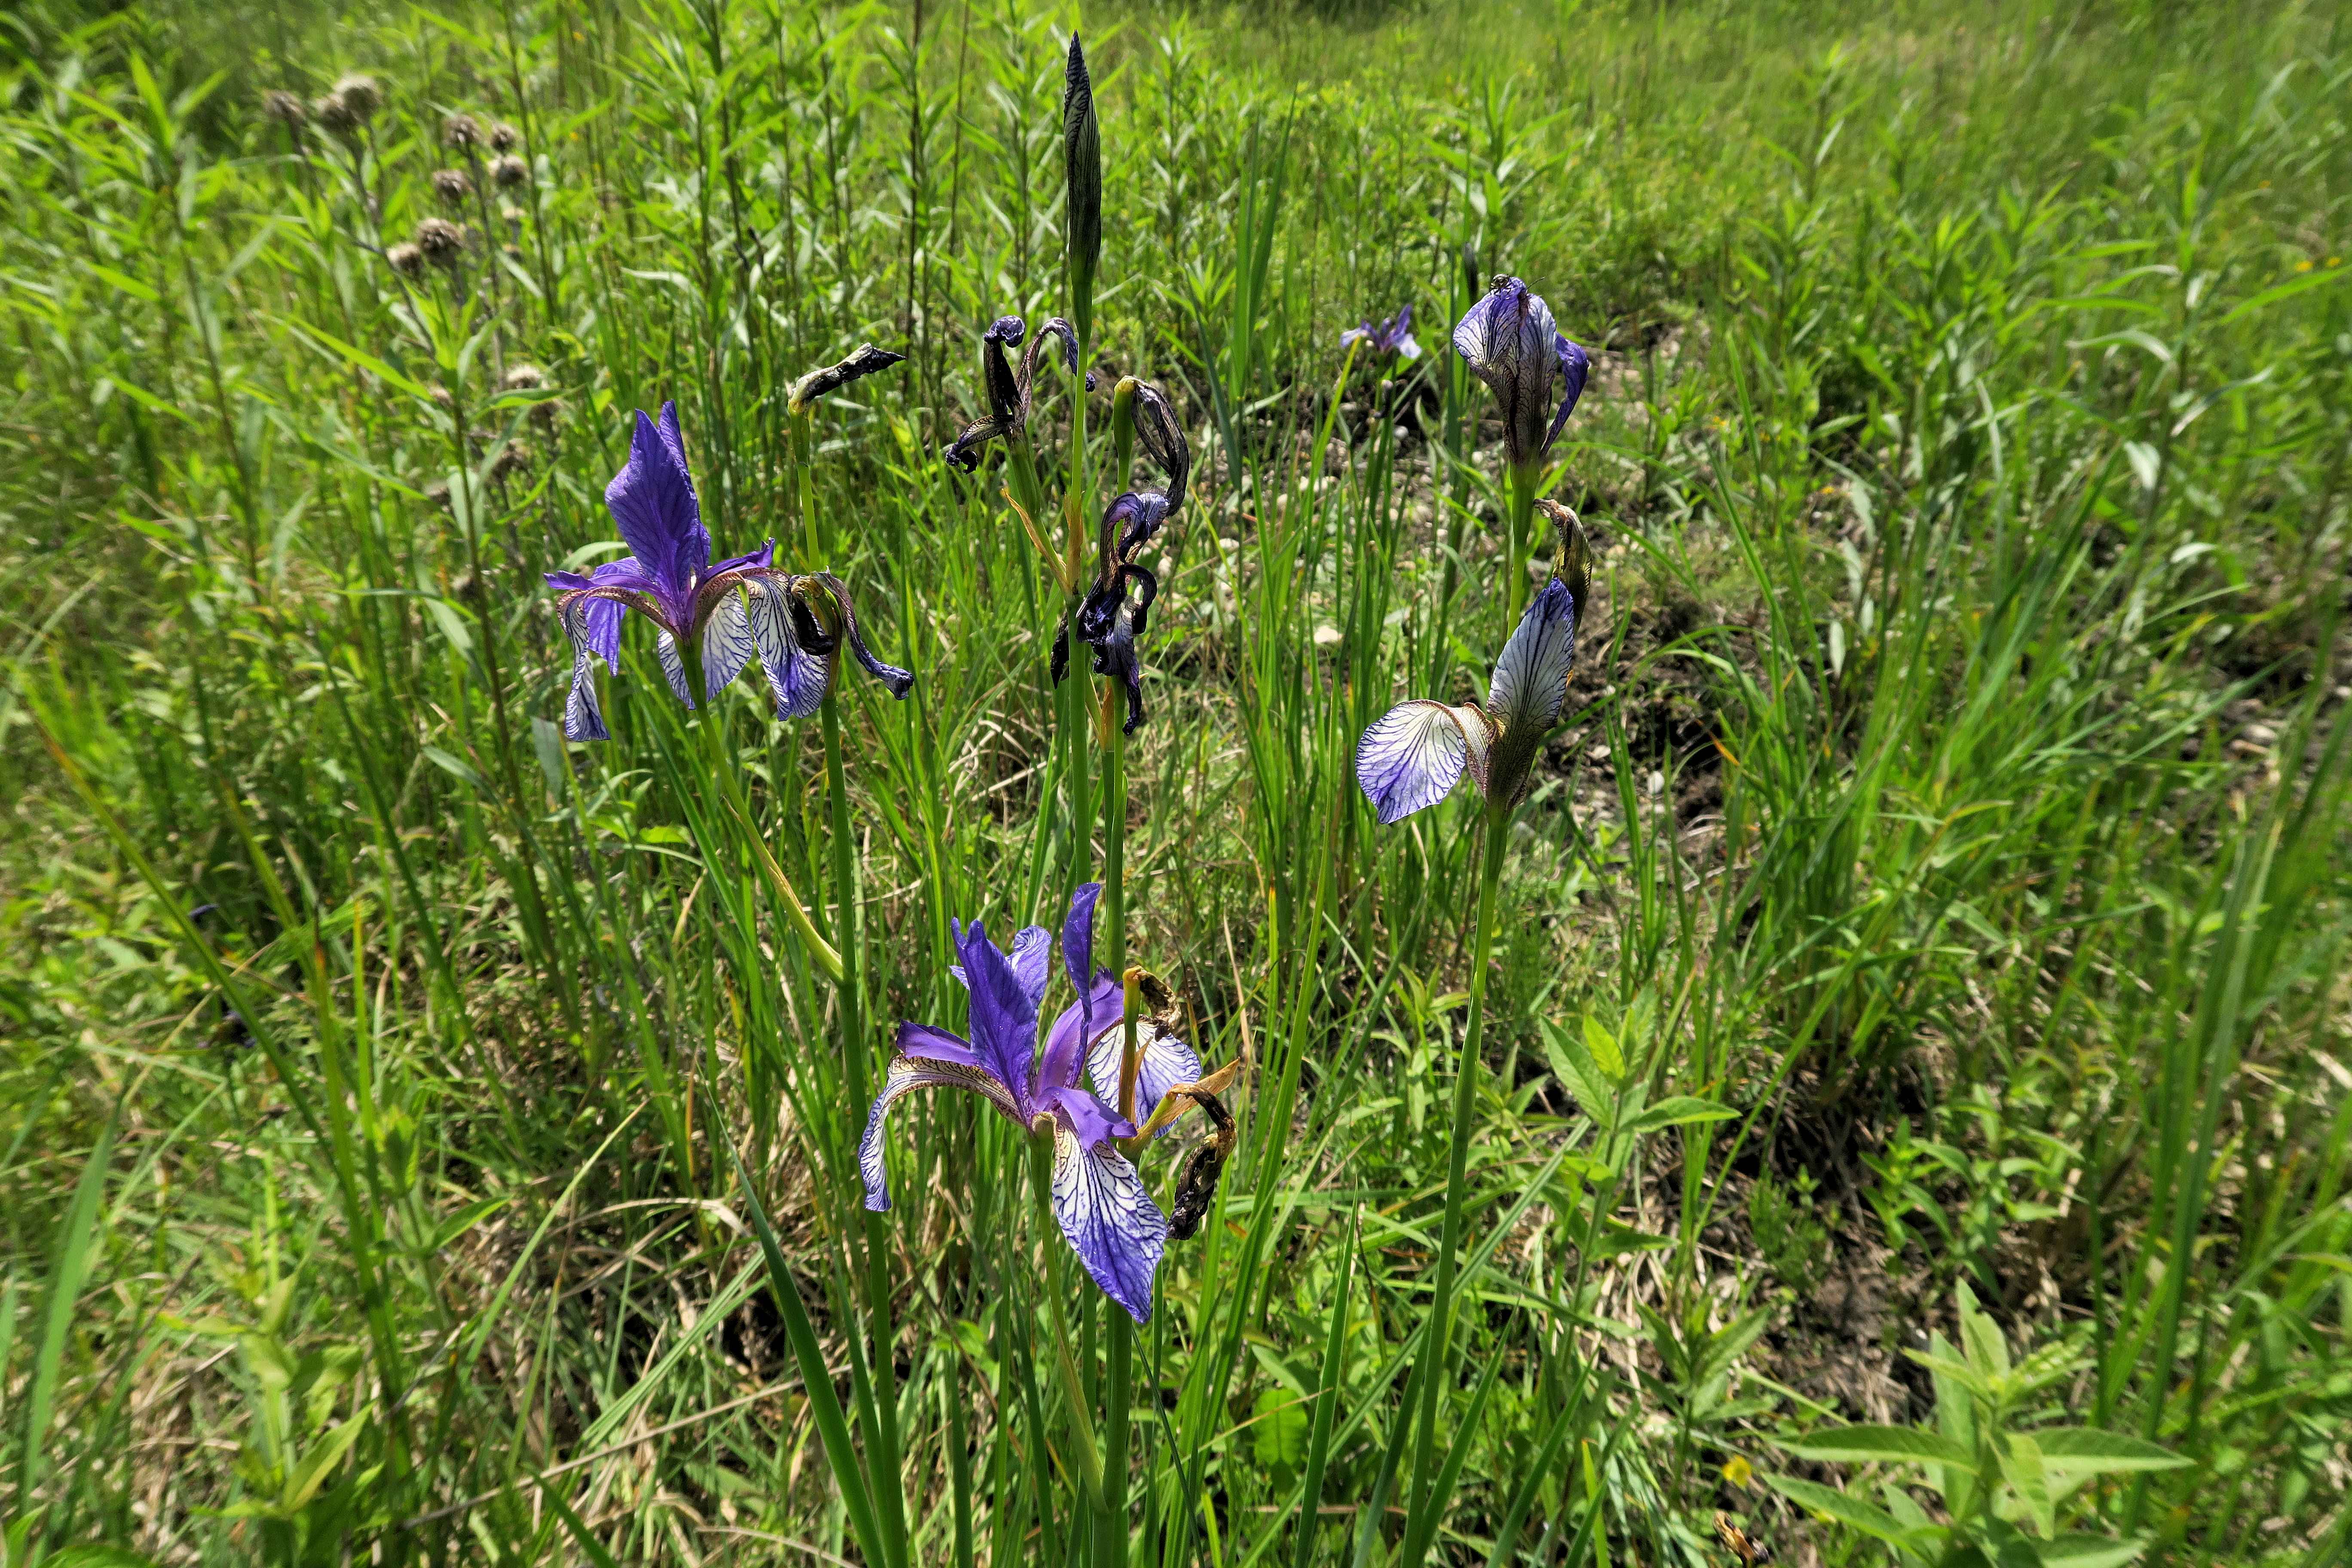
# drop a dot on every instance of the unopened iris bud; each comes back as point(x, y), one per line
point(1082, 161)
point(862, 360)
point(1510, 341)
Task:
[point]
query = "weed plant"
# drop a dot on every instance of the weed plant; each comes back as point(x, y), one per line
point(1909, 1115)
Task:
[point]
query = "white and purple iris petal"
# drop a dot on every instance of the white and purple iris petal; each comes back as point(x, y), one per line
point(1162, 1061)
point(1414, 755)
point(1530, 684)
point(933, 1058)
point(1102, 1205)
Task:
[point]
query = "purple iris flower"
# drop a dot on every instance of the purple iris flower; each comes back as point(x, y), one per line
point(1394, 336)
point(1414, 755)
point(1509, 338)
point(1109, 621)
point(1099, 1198)
point(726, 611)
point(1012, 395)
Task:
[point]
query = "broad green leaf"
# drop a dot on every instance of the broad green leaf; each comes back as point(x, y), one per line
point(2021, 1466)
point(328, 1452)
point(1897, 1445)
point(1849, 1511)
point(1578, 1073)
point(1279, 1428)
point(2088, 1552)
point(1678, 1111)
point(1603, 1044)
point(2087, 1450)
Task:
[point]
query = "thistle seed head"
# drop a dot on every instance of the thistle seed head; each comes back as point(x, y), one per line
point(359, 95)
point(407, 259)
point(441, 241)
point(286, 109)
point(504, 138)
point(338, 116)
point(514, 457)
point(509, 171)
point(523, 378)
point(453, 186)
point(461, 132)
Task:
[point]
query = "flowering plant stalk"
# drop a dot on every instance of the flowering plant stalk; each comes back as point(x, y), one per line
point(1411, 758)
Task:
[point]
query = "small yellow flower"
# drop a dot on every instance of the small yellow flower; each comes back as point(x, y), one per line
point(1737, 1472)
point(2304, 266)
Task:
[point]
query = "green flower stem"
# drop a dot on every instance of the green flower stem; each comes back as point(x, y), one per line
point(1119, 1352)
point(1524, 482)
point(1437, 1340)
point(884, 1462)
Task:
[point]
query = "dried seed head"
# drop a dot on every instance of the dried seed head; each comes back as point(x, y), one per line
point(514, 457)
point(359, 95)
point(444, 398)
point(509, 171)
point(407, 259)
point(545, 414)
point(441, 241)
point(504, 138)
point(462, 132)
point(337, 116)
point(286, 109)
point(452, 187)
point(523, 378)
point(465, 586)
point(437, 493)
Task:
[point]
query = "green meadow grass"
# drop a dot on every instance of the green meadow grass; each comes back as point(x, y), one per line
point(1914, 999)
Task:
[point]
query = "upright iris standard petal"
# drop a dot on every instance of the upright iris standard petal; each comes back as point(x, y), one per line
point(1102, 1207)
point(1575, 365)
point(1003, 1018)
point(1530, 683)
point(1414, 755)
point(652, 504)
